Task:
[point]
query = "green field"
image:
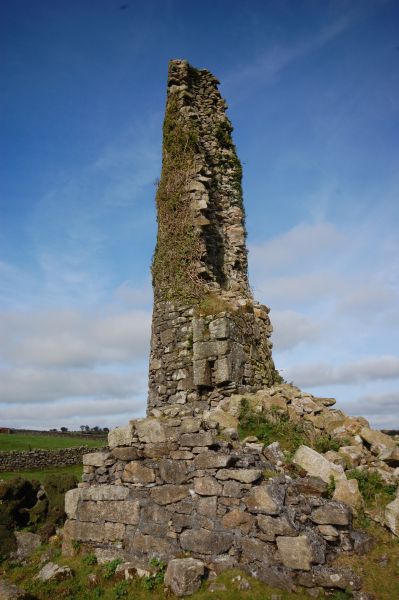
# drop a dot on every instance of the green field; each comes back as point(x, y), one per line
point(26, 441)
point(41, 474)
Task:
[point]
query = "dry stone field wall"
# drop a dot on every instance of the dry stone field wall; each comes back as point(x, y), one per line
point(209, 337)
point(37, 459)
point(179, 485)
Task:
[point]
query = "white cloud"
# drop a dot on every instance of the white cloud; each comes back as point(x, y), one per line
point(291, 248)
point(367, 369)
point(31, 385)
point(291, 328)
point(72, 338)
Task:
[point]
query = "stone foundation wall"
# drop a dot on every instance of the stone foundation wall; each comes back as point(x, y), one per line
point(202, 359)
point(177, 487)
point(36, 459)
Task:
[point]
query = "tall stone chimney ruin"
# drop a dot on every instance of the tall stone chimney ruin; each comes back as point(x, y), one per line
point(210, 339)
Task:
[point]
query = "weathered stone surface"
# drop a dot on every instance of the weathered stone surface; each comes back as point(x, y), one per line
point(377, 439)
point(347, 491)
point(392, 516)
point(95, 459)
point(9, 591)
point(72, 499)
point(327, 577)
point(183, 576)
point(351, 454)
point(232, 489)
point(296, 552)
point(168, 494)
point(104, 492)
point(206, 542)
point(243, 475)
point(207, 486)
point(207, 505)
point(125, 453)
point(123, 511)
point(315, 464)
point(308, 486)
point(151, 431)
point(135, 472)
point(265, 499)
point(121, 436)
point(151, 546)
point(85, 532)
point(27, 543)
point(256, 550)
point(172, 471)
point(53, 572)
point(332, 513)
point(238, 519)
point(273, 526)
point(212, 460)
point(204, 438)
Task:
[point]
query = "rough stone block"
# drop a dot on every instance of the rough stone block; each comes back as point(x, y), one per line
point(392, 516)
point(95, 459)
point(115, 511)
point(265, 499)
point(212, 460)
point(169, 494)
point(72, 499)
point(151, 431)
point(27, 543)
point(332, 513)
point(275, 526)
point(151, 546)
point(243, 475)
point(220, 329)
point(121, 436)
point(315, 464)
point(256, 550)
point(204, 438)
point(172, 471)
point(295, 552)
point(125, 453)
point(104, 492)
point(207, 486)
point(347, 491)
point(135, 472)
point(327, 577)
point(205, 350)
point(206, 542)
point(183, 576)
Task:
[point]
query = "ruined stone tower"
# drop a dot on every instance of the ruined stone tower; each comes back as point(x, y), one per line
point(209, 337)
point(180, 483)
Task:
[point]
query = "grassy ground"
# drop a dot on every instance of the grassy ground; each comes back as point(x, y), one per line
point(108, 586)
point(40, 474)
point(380, 568)
point(22, 441)
point(380, 577)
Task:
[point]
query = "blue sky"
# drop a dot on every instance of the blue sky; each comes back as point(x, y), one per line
point(312, 88)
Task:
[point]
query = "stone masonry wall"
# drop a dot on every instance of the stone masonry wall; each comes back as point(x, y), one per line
point(179, 488)
point(216, 342)
point(36, 459)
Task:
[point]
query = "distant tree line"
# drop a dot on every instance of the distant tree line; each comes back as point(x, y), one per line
point(86, 429)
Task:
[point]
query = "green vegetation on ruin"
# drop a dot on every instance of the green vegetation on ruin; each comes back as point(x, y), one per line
point(275, 426)
point(26, 441)
point(177, 252)
point(373, 489)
